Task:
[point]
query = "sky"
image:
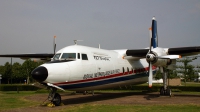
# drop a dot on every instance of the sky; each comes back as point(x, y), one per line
point(28, 26)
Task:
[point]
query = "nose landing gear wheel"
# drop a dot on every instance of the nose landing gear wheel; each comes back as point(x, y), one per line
point(57, 100)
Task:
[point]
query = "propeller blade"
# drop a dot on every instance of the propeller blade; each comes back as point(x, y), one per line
point(150, 75)
point(150, 35)
point(154, 33)
point(54, 48)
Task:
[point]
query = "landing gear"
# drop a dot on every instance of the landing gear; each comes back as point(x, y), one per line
point(162, 91)
point(57, 100)
point(165, 90)
point(54, 97)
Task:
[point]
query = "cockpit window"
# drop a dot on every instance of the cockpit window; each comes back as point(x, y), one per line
point(68, 56)
point(84, 57)
point(56, 56)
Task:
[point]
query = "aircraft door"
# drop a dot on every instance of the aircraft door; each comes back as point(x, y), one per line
point(87, 67)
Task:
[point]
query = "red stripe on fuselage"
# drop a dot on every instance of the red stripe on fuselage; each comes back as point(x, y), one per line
point(106, 77)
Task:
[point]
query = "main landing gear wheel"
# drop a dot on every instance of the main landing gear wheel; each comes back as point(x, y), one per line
point(166, 92)
point(162, 91)
point(57, 100)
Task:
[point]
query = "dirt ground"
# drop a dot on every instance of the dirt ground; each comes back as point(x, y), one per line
point(114, 98)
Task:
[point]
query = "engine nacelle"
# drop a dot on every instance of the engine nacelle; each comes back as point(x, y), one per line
point(162, 62)
point(154, 57)
point(169, 63)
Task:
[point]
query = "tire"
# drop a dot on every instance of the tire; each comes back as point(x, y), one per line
point(57, 99)
point(168, 92)
point(162, 91)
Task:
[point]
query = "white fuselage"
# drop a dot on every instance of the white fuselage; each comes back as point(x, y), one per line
point(92, 68)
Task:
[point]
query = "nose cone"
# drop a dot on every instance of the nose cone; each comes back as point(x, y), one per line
point(40, 74)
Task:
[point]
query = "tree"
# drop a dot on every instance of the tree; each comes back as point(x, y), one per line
point(2, 72)
point(27, 67)
point(17, 72)
point(7, 72)
point(186, 69)
point(158, 75)
point(171, 74)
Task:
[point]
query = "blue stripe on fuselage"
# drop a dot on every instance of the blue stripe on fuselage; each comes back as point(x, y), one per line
point(106, 81)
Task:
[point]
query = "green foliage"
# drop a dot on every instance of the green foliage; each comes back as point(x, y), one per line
point(16, 87)
point(172, 74)
point(17, 73)
point(186, 69)
point(156, 88)
point(158, 75)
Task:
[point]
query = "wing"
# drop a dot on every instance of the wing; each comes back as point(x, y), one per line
point(183, 51)
point(137, 52)
point(41, 56)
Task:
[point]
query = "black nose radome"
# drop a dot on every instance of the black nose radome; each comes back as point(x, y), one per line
point(40, 74)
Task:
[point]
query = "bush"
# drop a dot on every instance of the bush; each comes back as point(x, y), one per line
point(17, 87)
point(156, 88)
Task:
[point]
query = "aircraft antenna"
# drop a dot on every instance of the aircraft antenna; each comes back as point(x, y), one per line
point(75, 41)
point(54, 46)
point(99, 46)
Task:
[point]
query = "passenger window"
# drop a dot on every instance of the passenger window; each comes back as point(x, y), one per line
point(78, 55)
point(84, 57)
point(123, 70)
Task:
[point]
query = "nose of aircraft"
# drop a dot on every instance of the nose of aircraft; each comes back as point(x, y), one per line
point(40, 74)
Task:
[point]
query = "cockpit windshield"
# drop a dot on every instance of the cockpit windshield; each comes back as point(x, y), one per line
point(56, 56)
point(66, 56)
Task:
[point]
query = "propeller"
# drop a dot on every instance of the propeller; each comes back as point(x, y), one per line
point(153, 44)
point(54, 46)
point(155, 53)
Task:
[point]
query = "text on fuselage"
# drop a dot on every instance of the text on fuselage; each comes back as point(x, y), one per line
point(101, 58)
point(101, 74)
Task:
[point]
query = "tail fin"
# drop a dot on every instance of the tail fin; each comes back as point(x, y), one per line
point(154, 39)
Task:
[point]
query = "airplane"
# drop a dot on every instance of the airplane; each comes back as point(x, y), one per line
point(83, 68)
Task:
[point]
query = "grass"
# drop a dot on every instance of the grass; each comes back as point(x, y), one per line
point(190, 84)
point(132, 108)
point(12, 99)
